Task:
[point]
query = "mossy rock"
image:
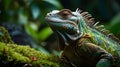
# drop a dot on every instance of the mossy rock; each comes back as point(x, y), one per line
point(18, 55)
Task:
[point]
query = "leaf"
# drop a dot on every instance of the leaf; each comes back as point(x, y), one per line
point(45, 33)
point(42, 35)
point(115, 24)
point(54, 2)
point(7, 3)
point(115, 20)
point(22, 17)
point(35, 11)
point(33, 26)
point(31, 31)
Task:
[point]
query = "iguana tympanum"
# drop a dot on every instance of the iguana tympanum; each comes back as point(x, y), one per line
point(84, 44)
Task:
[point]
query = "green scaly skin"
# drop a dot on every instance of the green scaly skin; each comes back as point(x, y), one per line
point(82, 44)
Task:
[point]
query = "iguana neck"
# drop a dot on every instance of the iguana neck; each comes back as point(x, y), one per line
point(66, 39)
point(83, 28)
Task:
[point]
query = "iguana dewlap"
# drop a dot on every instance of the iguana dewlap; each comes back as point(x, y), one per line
point(82, 42)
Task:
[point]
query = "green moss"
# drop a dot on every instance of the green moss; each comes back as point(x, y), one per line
point(25, 54)
point(11, 55)
point(45, 63)
point(4, 36)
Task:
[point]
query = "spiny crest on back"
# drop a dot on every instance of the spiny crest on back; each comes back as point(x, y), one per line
point(90, 21)
point(87, 17)
point(102, 29)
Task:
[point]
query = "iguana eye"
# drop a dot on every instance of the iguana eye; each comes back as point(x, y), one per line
point(65, 14)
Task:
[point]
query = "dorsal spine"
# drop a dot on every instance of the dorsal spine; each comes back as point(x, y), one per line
point(90, 22)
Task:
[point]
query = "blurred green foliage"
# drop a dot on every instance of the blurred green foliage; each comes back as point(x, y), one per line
point(114, 25)
point(31, 14)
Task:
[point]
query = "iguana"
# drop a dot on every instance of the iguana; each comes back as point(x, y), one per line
point(84, 44)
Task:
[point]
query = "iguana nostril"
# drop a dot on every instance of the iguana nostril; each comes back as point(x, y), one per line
point(50, 14)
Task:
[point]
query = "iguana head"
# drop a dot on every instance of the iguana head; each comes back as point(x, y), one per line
point(64, 23)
